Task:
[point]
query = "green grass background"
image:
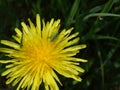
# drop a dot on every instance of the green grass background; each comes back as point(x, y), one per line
point(97, 21)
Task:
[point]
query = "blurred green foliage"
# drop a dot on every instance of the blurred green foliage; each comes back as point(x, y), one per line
point(97, 21)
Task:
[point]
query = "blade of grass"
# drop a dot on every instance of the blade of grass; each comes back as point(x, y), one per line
point(95, 27)
point(111, 52)
point(98, 37)
point(61, 5)
point(108, 6)
point(96, 9)
point(72, 13)
point(101, 66)
point(101, 15)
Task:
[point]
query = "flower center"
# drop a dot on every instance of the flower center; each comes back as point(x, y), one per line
point(37, 52)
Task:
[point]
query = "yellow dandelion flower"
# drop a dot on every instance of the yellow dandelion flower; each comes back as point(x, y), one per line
point(39, 52)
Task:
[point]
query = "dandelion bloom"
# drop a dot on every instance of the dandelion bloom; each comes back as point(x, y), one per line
point(40, 51)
